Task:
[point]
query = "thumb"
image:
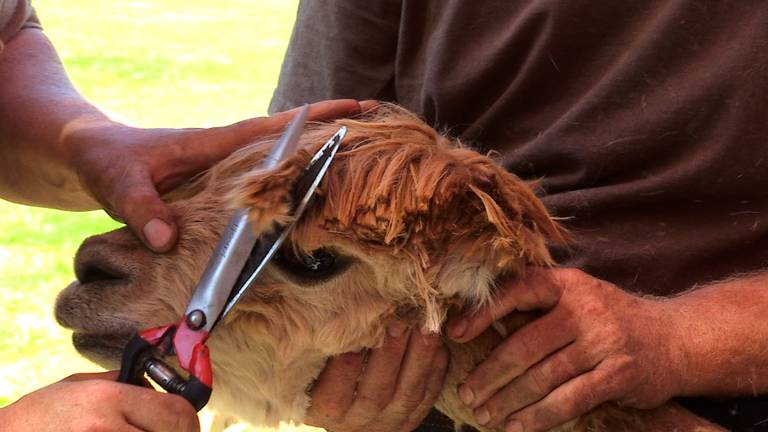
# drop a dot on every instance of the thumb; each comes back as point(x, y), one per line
point(201, 148)
point(466, 328)
point(138, 203)
point(539, 289)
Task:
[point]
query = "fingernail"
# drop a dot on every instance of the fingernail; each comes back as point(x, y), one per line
point(158, 233)
point(458, 329)
point(482, 416)
point(465, 394)
point(396, 329)
point(514, 426)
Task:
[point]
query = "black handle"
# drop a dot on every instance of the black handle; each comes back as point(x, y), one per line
point(132, 364)
point(137, 360)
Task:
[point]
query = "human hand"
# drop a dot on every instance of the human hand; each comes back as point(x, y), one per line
point(595, 343)
point(126, 169)
point(95, 402)
point(392, 392)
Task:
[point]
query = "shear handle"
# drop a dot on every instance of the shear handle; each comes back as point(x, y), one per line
point(139, 358)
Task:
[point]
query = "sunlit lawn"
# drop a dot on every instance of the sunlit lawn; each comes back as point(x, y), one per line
point(169, 63)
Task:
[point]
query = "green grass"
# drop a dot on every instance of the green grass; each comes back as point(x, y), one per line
point(168, 63)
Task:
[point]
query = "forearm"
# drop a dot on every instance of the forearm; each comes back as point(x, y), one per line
point(40, 112)
point(723, 332)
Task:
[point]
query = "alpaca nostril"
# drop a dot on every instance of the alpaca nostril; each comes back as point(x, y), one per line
point(94, 271)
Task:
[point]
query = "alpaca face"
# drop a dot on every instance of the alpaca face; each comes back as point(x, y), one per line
point(405, 225)
point(275, 341)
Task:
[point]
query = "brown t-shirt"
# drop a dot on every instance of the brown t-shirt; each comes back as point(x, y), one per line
point(646, 120)
point(14, 16)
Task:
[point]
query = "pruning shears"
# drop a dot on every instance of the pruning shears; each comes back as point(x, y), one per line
point(236, 263)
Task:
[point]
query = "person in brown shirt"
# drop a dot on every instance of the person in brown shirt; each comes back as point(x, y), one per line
point(58, 150)
point(647, 124)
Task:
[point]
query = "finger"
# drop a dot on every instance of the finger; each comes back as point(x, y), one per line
point(318, 111)
point(198, 149)
point(108, 376)
point(538, 289)
point(567, 402)
point(378, 382)
point(332, 109)
point(535, 384)
point(368, 104)
point(414, 374)
point(521, 350)
point(138, 203)
point(168, 412)
point(433, 389)
point(334, 390)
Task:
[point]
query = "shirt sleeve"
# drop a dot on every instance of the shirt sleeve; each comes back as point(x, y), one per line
point(14, 16)
point(339, 49)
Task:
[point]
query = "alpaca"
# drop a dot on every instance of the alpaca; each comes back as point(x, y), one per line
point(407, 224)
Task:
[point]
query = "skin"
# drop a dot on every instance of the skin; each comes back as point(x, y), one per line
point(596, 343)
point(83, 392)
point(58, 150)
point(391, 389)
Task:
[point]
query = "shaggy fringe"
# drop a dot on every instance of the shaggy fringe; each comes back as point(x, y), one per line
point(398, 186)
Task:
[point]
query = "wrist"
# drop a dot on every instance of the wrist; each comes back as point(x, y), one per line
point(85, 133)
point(720, 331)
point(676, 362)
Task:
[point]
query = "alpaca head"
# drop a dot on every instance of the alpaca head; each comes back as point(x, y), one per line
point(406, 225)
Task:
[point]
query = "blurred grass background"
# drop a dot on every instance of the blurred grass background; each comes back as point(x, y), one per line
point(168, 63)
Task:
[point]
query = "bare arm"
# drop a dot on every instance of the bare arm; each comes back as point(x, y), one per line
point(58, 150)
point(723, 332)
point(39, 110)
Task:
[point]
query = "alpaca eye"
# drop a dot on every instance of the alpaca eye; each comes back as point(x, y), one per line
point(319, 260)
point(320, 263)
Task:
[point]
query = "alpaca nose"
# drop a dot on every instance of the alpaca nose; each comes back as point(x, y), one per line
point(89, 271)
point(105, 258)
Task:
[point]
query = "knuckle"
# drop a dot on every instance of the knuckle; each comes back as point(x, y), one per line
point(136, 195)
point(392, 347)
point(371, 405)
point(521, 350)
point(409, 400)
point(97, 424)
point(440, 363)
point(623, 371)
point(411, 425)
point(569, 275)
point(560, 369)
point(582, 400)
point(361, 422)
point(496, 410)
point(103, 390)
point(332, 412)
point(186, 416)
point(614, 338)
point(540, 383)
point(543, 418)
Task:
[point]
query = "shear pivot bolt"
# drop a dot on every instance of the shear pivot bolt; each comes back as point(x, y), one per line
point(196, 319)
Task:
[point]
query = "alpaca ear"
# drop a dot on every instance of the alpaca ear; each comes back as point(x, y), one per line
point(267, 193)
point(523, 227)
point(508, 229)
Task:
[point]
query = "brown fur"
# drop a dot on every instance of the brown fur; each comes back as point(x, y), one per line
point(424, 224)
